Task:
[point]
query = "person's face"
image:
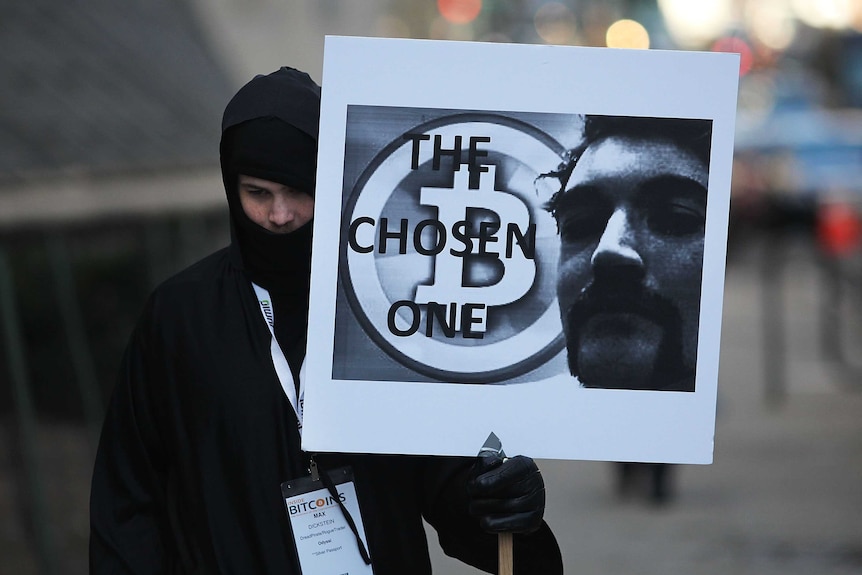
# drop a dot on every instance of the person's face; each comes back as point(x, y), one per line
point(631, 225)
point(275, 207)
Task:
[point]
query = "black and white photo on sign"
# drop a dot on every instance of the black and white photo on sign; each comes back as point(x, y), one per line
point(473, 241)
point(531, 247)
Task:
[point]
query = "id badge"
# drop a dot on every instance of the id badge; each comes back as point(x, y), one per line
point(324, 540)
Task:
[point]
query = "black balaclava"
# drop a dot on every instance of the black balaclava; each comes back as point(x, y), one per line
point(273, 150)
point(269, 131)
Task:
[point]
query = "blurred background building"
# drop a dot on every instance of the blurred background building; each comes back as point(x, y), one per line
point(109, 182)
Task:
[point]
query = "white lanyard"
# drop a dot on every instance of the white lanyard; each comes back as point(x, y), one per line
point(282, 368)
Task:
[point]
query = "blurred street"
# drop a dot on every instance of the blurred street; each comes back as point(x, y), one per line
point(784, 492)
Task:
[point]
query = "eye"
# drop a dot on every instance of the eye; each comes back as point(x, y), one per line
point(297, 193)
point(675, 206)
point(582, 216)
point(256, 192)
point(676, 218)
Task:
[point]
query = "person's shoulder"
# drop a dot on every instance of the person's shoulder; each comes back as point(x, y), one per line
point(202, 272)
point(180, 310)
point(190, 287)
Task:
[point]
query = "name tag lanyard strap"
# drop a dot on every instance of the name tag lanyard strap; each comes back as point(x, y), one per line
point(282, 368)
point(330, 486)
point(285, 377)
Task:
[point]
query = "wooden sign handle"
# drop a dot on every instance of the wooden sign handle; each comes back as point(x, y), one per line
point(506, 555)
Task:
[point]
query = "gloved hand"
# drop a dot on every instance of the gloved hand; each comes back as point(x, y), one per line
point(507, 495)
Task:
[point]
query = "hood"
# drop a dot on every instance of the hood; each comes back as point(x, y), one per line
point(286, 95)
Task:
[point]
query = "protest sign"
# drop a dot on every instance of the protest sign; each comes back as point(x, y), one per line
point(449, 251)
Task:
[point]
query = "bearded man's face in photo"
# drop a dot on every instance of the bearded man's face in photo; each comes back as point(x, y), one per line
point(631, 219)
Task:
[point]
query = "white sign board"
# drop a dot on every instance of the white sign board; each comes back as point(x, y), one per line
point(481, 265)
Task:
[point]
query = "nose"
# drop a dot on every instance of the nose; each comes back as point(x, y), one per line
point(617, 247)
point(282, 211)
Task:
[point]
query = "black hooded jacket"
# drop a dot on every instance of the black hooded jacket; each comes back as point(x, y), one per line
point(200, 436)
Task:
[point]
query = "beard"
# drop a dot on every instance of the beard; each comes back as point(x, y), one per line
point(668, 369)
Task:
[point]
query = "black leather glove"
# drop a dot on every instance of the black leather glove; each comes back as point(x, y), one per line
point(507, 495)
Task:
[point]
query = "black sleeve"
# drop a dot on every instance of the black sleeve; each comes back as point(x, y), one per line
point(446, 509)
point(127, 521)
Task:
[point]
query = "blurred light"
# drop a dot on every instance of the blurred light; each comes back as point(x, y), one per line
point(736, 46)
point(825, 13)
point(555, 23)
point(839, 227)
point(627, 34)
point(459, 11)
point(771, 23)
point(693, 23)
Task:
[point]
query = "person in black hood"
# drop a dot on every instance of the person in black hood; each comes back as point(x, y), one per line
point(204, 424)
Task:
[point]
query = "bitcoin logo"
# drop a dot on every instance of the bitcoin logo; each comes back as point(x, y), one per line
point(448, 255)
